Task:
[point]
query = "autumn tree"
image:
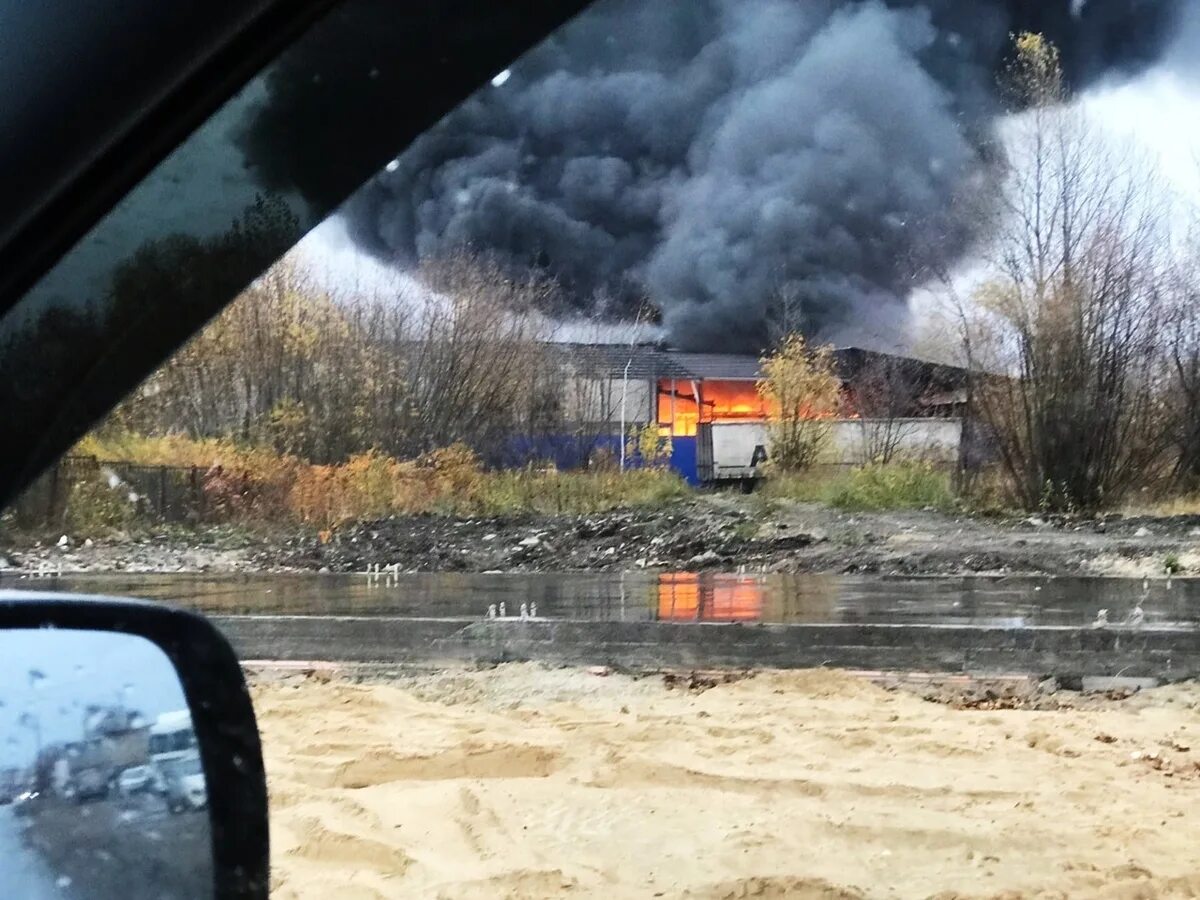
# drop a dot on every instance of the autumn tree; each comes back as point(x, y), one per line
point(265, 370)
point(452, 357)
point(801, 388)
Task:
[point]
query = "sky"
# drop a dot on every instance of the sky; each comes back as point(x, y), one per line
point(1156, 113)
point(54, 674)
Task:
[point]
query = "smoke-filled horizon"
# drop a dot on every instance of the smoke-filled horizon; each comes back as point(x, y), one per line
point(723, 159)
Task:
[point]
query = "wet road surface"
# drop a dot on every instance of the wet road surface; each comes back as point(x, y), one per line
point(669, 596)
point(23, 873)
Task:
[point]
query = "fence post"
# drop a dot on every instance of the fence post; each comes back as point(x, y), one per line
point(162, 493)
point(197, 493)
point(55, 503)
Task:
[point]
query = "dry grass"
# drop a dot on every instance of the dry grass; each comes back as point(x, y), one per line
point(254, 484)
point(1188, 505)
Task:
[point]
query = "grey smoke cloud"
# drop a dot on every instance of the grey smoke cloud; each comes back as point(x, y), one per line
point(812, 191)
point(707, 155)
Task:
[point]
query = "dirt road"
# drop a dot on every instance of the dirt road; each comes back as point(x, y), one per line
point(527, 782)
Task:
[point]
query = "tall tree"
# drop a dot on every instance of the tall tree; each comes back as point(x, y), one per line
point(1069, 321)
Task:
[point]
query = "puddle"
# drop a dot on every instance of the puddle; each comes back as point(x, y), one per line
point(673, 596)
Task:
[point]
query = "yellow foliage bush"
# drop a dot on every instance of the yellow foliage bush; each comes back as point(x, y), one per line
point(253, 484)
point(650, 445)
point(801, 386)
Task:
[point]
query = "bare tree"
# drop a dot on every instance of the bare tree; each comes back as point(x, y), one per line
point(1181, 396)
point(287, 364)
point(473, 359)
point(1069, 321)
point(644, 314)
point(883, 395)
point(785, 312)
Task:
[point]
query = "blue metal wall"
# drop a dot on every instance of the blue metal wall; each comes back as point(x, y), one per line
point(567, 451)
point(683, 458)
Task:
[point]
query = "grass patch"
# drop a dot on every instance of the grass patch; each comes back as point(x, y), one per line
point(894, 486)
point(1187, 505)
point(813, 486)
point(899, 485)
point(574, 492)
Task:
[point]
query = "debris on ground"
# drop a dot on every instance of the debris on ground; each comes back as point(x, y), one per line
point(718, 532)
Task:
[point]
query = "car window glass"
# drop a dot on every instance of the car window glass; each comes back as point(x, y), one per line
point(217, 211)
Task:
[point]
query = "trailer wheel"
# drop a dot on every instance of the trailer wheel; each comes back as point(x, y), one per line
point(748, 485)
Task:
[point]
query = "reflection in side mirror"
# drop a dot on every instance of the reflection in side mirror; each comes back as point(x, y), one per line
point(102, 791)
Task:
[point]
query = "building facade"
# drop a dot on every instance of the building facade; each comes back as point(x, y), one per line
point(891, 405)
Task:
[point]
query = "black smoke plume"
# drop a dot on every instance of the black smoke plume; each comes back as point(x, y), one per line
point(721, 157)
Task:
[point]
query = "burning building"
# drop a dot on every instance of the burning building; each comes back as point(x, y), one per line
point(891, 405)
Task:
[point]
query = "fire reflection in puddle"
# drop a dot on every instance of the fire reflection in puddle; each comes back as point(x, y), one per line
point(727, 597)
point(689, 597)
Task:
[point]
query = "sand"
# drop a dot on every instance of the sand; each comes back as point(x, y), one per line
point(529, 782)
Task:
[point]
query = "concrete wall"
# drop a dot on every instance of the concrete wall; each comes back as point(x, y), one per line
point(598, 400)
point(1066, 652)
point(858, 441)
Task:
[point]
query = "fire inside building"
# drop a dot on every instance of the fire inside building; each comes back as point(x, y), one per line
point(710, 406)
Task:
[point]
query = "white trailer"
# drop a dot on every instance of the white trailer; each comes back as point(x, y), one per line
point(730, 451)
point(734, 450)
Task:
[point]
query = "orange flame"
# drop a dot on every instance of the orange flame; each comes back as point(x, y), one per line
point(679, 412)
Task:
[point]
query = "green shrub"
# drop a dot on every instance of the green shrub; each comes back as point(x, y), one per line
point(899, 485)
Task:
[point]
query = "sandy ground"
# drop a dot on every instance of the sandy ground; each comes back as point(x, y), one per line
point(528, 782)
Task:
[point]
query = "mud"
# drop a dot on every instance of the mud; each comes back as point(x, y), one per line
point(716, 532)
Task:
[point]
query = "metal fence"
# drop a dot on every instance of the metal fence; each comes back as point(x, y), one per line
point(160, 493)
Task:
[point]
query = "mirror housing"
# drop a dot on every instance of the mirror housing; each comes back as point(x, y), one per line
point(221, 711)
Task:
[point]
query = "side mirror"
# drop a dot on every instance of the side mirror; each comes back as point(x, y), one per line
point(130, 762)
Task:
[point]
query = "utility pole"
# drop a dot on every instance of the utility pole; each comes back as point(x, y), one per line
point(633, 336)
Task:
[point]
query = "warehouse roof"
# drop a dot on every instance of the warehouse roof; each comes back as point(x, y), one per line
point(646, 361)
point(717, 365)
point(640, 361)
point(654, 361)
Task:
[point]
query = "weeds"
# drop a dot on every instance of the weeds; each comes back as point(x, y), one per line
point(896, 485)
point(1172, 564)
point(95, 507)
point(902, 485)
point(251, 486)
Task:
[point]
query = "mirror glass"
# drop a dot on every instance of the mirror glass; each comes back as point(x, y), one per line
point(101, 789)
